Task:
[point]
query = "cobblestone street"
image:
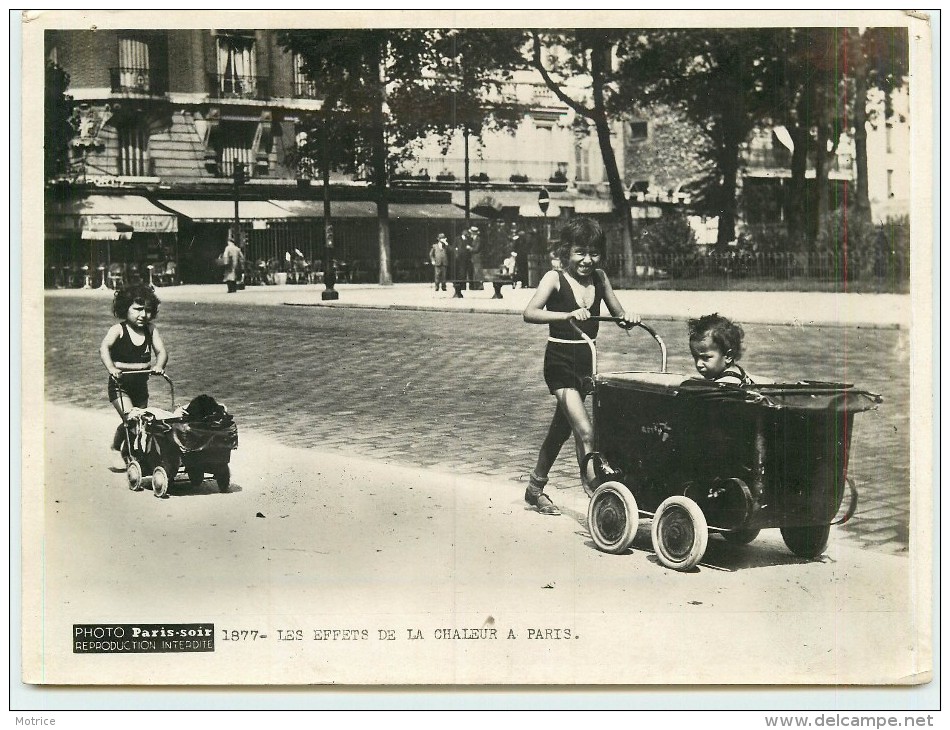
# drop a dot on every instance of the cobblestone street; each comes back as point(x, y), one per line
point(463, 391)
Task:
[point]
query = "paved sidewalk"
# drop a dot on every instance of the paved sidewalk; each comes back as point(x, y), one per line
point(317, 540)
point(779, 308)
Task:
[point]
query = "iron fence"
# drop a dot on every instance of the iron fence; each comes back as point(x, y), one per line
point(885, 271)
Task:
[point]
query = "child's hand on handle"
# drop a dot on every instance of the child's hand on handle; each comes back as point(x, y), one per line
point(628, 321)
point(580, 314)
point(158, 371)
point(116, 374)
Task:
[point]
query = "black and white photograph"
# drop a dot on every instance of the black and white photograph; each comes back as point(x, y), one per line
point(580, 349)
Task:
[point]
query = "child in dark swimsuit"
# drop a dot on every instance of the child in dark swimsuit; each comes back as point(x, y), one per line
point(127, 351)
point(716, 346)
point(574, 293)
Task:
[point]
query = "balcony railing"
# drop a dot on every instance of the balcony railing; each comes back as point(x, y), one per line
point(234, 86)
point(496, 171)
point(131, 80)
point(304, 89)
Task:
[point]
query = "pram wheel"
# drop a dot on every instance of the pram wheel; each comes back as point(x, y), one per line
point(740, 537)
point(133, 473)
point(223, 477)
point(680, 533)
point(160, 481)
point(807, 542)
point(612, 517)
point(196, 477)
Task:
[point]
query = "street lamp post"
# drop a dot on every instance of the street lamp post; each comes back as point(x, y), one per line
point(240, 177)
point(329, 274)
point(544, 200)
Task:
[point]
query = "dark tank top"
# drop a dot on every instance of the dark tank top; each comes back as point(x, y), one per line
point(563, 300)
point(124, 350)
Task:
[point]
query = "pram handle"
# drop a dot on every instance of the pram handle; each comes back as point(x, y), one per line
point(150, 373)
point(627, 327)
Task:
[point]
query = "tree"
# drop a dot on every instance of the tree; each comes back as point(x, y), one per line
point(461, 89)
point(584, 58)
point(386, 88)
point(355, 68)
point(718, 79)
point(879, 59)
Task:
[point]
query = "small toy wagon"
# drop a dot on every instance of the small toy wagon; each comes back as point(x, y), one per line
point(701, 457)
point(190, 440)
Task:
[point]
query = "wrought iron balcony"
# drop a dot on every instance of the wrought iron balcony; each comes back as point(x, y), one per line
point(132, 80)
point(237, 86)
point(304, 89)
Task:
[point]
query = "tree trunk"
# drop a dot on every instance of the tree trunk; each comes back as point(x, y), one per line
point(859, 69)
point(824, 161)
point(380, 173)
point(728, 206)
point(796, 188)
point(734, 130)
point(614, 180)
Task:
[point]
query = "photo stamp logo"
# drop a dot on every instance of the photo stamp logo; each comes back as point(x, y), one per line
point(142, 638)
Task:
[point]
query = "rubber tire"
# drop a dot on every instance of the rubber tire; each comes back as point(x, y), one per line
point(160, 481)
point(133, 473)
point(741, 537)
point(613, 517)
point(679, 533)
point(196, 477)
point(223, 477)
point(807, 542)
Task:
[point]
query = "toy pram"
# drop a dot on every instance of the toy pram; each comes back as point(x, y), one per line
point(701, 457)
point(196, 440)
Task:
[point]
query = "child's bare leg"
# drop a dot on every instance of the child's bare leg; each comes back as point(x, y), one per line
point(558, 432)
point(118, 440)
point(572, 405)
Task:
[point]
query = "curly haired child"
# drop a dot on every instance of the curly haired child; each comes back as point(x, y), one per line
point(127, 351)
point(715, 343)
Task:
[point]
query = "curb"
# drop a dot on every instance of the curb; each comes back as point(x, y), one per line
point(651, 317)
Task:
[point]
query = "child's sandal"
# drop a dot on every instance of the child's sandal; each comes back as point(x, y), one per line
point(535, 496)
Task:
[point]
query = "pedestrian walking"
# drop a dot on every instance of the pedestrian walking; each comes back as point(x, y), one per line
point(439, 256)
point(576, 293)
point(127, 351)
point(475, 251)
point(518, 242)
point(233, 260)
point(464, 268)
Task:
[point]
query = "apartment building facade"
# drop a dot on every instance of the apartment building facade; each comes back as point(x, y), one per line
point(162, 120)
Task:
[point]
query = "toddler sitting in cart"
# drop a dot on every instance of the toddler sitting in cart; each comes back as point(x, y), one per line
point(715, 343)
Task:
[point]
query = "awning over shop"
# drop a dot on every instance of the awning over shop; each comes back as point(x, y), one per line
point(108, 217)
point(222, 211)
point(367, 209)
point(107, 230)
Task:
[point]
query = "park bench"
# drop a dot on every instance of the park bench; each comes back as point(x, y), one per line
point(482, 277)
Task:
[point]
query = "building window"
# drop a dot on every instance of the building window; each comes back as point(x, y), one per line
point(237, 65)
point(133, 64)
point(133, 150)
point(303, 86)
point(235, 141)
point(582, 162)
point(890, 183)
point(638, 131)
point(888, 130)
